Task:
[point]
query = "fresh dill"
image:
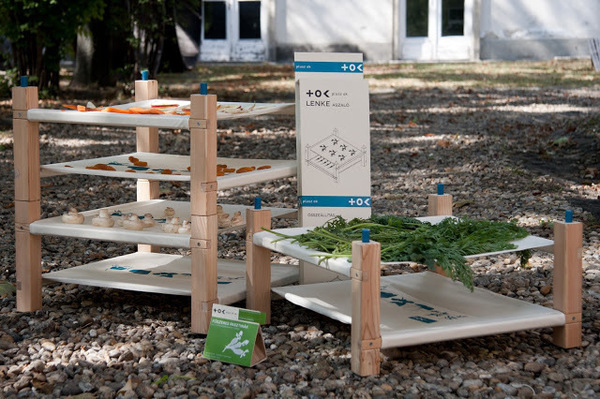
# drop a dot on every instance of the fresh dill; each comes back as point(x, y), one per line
point(403, 239)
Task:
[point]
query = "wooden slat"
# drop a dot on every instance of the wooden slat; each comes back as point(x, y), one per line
point(29, 271)
point(568, 336)
point(439, 205)
point(204, 270)
point(567, 281)
point(258, 264)
point(24, 98)
point(26, 212)
point(204, 162)
point(27, 160)
point(203, 207)
point(27, 200)
point(203, 156)
point(147, 141)
point(366, 308)
point(146, 90)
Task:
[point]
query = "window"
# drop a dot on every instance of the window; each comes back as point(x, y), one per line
point(215, 20)
point(249, 19)
point(417, 16)
point(453, 17)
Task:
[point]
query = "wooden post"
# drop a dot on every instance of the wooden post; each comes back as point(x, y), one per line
point(366, 307)
point(203, 207)
point(439, 204)
point(147, 141)
point(258, 264)
point(567, 281)
point(27, 200)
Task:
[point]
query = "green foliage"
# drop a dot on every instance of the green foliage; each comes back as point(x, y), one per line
point(6, 289)
point(40, 32)
point(409, 240)
point(7, 81)
point(127, 36)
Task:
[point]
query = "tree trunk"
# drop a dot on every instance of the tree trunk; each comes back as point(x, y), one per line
point(82, 76)
point(171, 60)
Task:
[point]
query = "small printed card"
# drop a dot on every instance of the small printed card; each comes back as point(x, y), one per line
point(234, 336)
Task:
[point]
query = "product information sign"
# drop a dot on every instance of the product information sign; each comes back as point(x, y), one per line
point(234, 336)
point(333, 141)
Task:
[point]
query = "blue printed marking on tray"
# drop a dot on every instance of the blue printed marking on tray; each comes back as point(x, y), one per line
point(141, 217)
point(430, 314)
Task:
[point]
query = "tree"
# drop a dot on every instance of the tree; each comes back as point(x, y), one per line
point(131, 36)
point(104, 53)
point(41, 31)
point(116, 39)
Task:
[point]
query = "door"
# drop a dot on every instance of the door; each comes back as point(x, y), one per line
point(432, 30)
point(233, 30)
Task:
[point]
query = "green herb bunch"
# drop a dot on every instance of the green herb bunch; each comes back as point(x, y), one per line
point(405, 239)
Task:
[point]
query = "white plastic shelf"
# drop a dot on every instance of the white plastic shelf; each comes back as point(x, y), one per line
point(425, 307)
point(153, 235)
point(226, 110)
point(165, 274)
point(341, 265)
point(177, 166)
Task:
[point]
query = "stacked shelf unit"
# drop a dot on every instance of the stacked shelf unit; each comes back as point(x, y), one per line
point(206, 273)
point(418, 308)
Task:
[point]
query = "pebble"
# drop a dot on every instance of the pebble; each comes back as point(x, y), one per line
point(88, 342)
point(534, 367)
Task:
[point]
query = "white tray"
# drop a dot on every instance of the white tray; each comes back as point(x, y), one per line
point(178, 165)
point(426, 307)
point(342, 266)
point(226, 111)
point(165, 274)
point(153, 235)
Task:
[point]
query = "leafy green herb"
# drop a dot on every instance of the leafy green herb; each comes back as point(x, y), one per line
point(406, 239)
point(524, 257)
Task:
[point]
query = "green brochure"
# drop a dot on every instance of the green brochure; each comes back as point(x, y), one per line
point(234, 336)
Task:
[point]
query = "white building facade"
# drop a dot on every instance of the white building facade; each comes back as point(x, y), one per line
point(385, 30)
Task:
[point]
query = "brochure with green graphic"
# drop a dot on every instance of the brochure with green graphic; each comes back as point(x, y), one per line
point(234, 336)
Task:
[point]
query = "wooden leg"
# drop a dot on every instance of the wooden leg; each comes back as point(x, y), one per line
point(147, 190)
point(147, 141)
point(203, 208)
point(567, 284)
point(204, 273)
point(258, 264)
point(29, 271)
point(26, 150)
point(439, 205)
point(366, 308)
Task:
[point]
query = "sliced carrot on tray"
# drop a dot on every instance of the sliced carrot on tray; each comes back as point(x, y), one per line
point(116, 110)
point(140, 110)
point(132, 110)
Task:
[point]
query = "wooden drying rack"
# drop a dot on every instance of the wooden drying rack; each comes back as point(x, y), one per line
point(203, 197)
point(365, 275)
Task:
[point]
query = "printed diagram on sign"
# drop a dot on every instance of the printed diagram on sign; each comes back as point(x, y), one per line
point(236, 345)
point(333, 155)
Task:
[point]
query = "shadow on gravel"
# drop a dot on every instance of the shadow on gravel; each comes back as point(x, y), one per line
point(541, 133)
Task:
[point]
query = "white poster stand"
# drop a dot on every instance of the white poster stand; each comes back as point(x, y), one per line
point(333, 143)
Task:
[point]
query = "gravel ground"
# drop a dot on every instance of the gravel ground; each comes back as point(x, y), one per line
point(525, 154)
